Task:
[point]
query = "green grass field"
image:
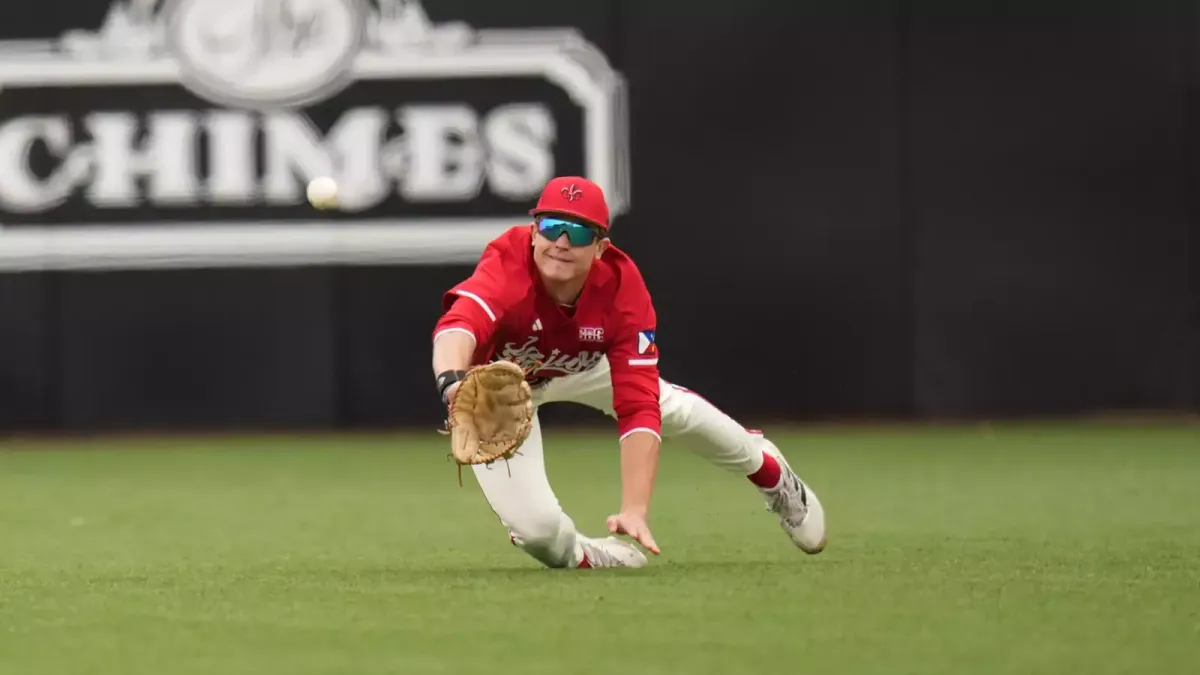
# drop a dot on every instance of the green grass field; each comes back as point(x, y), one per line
point(1022, 550)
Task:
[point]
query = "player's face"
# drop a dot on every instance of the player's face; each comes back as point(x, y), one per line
point(565, 250)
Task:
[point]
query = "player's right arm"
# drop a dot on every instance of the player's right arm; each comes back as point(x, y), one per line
point(452, 350)
point(474, 309)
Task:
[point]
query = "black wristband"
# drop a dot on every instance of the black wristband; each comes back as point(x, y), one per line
point(447, 378)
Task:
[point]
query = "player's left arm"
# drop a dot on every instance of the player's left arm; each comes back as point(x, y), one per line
point(639, 465)
point(633, 360)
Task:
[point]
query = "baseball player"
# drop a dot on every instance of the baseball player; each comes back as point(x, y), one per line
point(557, 298)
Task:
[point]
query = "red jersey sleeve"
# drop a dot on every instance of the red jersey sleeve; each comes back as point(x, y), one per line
point(633, 359)
point(478, 304)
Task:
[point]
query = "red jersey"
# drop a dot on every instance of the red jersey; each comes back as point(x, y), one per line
point(505, 307)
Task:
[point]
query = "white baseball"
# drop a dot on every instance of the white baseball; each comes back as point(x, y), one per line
point(322, 192)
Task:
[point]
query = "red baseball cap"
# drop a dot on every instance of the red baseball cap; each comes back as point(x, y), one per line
point(574, 196)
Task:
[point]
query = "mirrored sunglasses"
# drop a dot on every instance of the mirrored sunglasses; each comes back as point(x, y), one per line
point(578, 234)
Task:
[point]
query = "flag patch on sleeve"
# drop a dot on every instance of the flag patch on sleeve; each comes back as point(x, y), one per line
point(646, 343)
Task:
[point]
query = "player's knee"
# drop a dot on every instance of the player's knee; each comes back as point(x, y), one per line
point(535, 528)
point(546, 537)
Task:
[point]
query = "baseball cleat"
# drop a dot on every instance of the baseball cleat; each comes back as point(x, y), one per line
point(611, 552)
point(800, 512)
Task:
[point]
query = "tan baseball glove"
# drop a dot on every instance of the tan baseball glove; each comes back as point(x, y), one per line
point(492, 414)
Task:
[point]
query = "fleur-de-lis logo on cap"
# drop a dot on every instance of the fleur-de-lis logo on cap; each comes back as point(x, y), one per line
point(571, 193)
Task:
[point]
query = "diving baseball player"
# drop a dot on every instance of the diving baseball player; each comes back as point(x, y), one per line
point(557, 298)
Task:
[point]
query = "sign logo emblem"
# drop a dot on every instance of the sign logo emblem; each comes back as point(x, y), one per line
point(571, 193)
point(265, 52)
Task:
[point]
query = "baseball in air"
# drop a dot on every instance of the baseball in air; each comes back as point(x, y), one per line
point(322, 192)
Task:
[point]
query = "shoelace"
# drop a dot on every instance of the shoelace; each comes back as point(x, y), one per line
point(787, 501)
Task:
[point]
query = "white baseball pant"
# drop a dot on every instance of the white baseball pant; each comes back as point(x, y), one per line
point(520, 491)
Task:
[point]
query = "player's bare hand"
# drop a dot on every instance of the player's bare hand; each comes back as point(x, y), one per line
point(635, 527)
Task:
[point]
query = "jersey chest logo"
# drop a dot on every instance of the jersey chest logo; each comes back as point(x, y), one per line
point(531, 358)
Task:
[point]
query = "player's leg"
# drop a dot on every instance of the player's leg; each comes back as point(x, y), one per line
point(519, 493)
point(709, 432)
point(714, 435)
